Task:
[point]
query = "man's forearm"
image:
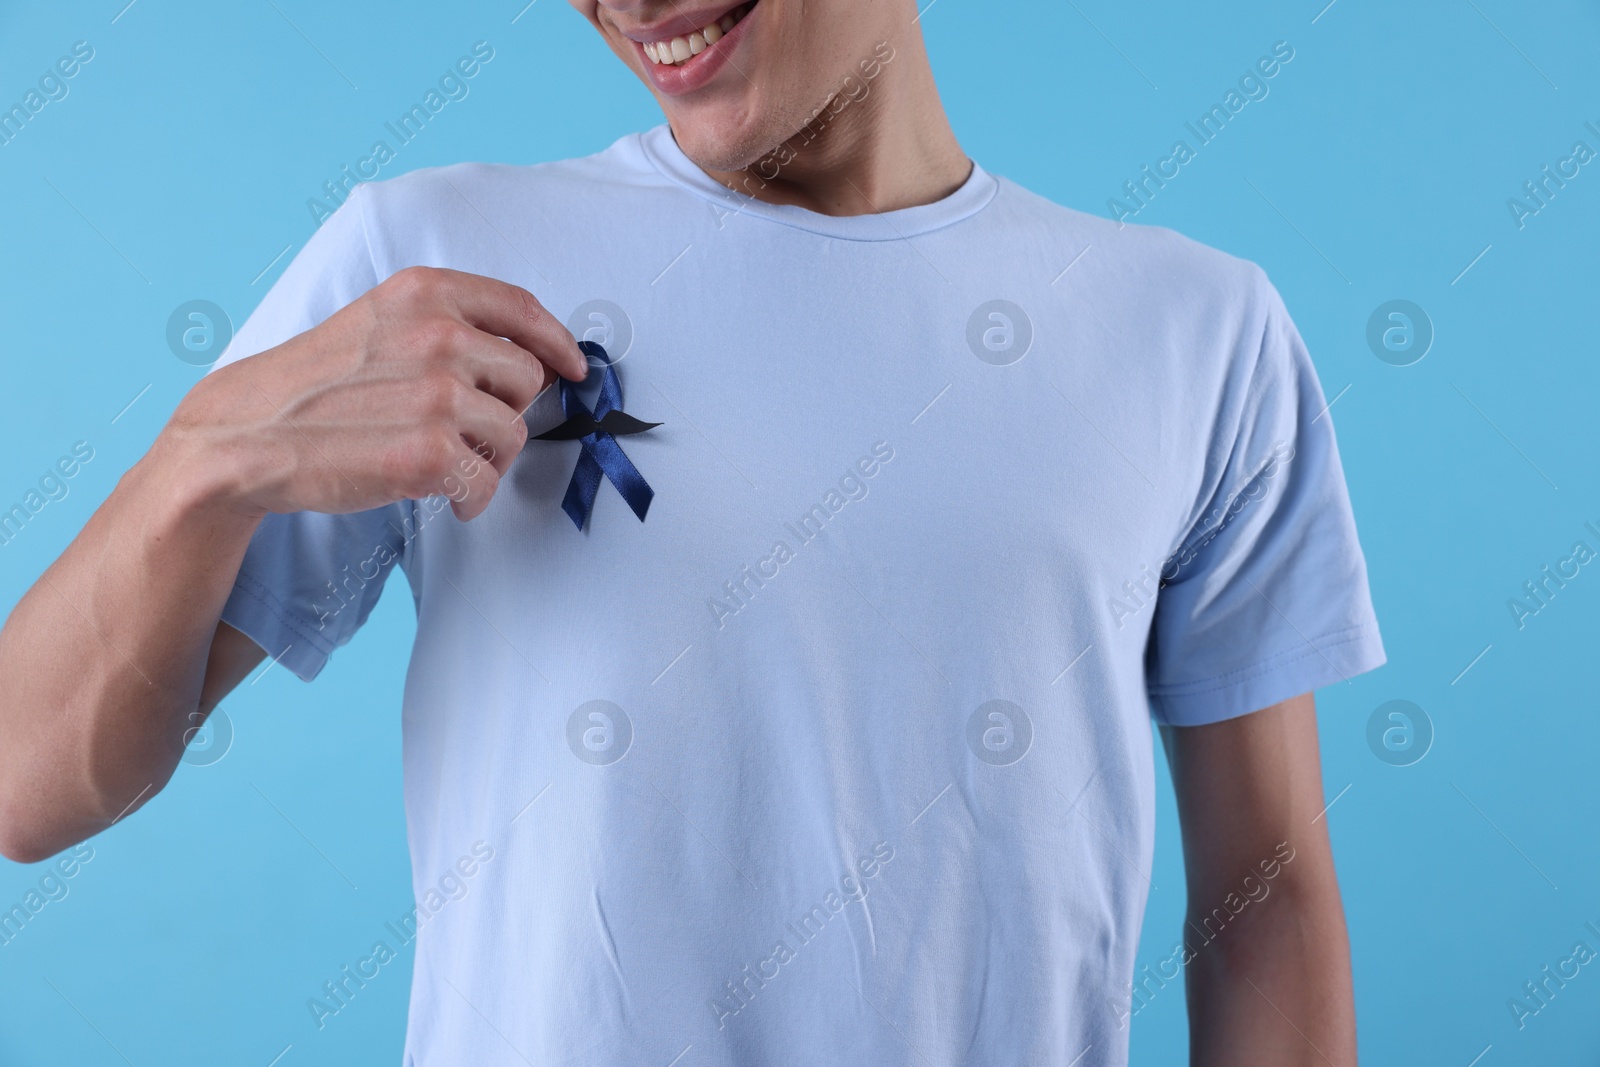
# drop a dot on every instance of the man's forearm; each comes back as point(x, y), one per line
point(1273, 986)
point(396, 396)
point(104, 658)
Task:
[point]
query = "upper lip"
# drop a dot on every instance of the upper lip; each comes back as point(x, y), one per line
point(679, 25)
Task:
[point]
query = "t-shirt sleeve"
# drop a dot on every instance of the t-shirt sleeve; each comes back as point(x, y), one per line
point(310, 580)
point(1266, 597)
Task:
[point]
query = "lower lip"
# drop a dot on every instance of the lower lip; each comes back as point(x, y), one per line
point(700, 69)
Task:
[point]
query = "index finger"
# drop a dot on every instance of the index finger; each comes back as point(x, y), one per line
point(510, 311)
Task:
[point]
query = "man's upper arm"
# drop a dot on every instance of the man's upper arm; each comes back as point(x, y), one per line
point(1250, 801)
point(1266, 595)
point(1267, 953)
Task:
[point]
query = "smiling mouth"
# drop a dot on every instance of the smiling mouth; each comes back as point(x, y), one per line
point(677, 51)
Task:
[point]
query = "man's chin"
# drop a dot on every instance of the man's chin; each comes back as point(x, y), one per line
point(726, 143)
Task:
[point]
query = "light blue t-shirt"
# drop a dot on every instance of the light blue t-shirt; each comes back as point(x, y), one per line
point(843, 755)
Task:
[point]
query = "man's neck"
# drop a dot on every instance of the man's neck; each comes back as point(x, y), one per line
point(882, 144)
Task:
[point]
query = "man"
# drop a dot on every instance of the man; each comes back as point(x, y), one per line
point(843, 753)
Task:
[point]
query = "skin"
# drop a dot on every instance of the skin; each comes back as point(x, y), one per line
point(1273, 985)
point(417, 388)
point(412, 389)
point(891, 148)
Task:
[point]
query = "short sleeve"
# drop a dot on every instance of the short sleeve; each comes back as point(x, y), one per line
point(1266, 596)
point(309, 580)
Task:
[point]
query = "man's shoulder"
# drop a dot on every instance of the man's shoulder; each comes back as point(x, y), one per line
point(1153, 260)
point(484, 185)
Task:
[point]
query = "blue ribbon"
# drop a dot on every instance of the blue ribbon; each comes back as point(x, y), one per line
point(600, 452)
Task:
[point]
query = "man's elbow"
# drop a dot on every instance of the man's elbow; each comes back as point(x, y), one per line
point(22, 840)
point(29, 832)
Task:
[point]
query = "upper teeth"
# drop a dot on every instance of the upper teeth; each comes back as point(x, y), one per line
point(679, 49)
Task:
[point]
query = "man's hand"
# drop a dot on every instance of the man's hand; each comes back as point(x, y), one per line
point(405, 393)
point(395, 396)
point(1269, 981)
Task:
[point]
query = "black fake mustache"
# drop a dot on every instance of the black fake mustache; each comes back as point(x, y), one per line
point(615, 423)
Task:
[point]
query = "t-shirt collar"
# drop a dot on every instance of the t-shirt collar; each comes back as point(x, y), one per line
point(661, 149)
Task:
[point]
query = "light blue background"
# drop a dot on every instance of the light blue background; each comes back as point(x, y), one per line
point(1378, 168)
